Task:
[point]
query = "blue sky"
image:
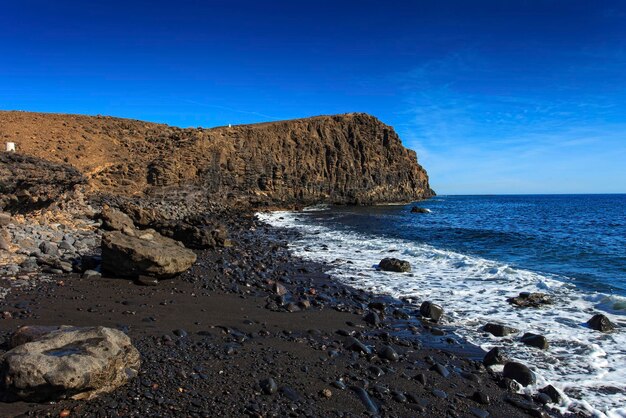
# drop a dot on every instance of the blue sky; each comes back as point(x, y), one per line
point(495, 96)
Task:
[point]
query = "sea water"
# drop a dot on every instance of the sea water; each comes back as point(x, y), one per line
point(470, 253)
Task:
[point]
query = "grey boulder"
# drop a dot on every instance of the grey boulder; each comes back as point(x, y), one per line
point(68, 362)
point(149, 254)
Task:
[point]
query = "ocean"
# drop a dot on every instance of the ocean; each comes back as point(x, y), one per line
point(470, 253)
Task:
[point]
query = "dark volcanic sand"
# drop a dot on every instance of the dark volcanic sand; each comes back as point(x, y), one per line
point(208, 337)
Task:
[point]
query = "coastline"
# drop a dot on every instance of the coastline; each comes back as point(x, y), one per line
point(234, 329)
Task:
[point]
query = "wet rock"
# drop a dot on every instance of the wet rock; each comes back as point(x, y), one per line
point(441, 369)
point(494, 356)
point(128, 256)
point(526, 406)
point(600, 322)
point(439, 393)
point(519, 372)
point(268, 386)
point(398, 397)
point(417, 209)
point(532, 300)
point(421, 377)
point(394, 264)
point(481, 397)
point(431, 310)
point(535, 340)
point(388, 353)
point(80, 363)
point(365, 399)
point(372, 318)
point(353, 344)
point(551, 391)
point(499, 330)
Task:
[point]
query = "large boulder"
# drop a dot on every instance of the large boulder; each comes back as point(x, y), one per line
point(69, 362)
point(431, 310)
point(149, 254)
point(394, 264)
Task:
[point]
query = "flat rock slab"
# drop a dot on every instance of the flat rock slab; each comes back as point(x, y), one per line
point(149, 254)
point(69, 362)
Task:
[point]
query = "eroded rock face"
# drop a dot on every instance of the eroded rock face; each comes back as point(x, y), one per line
point(351, 158)
point(77, 363)
point(149, 253)
point(28, 183)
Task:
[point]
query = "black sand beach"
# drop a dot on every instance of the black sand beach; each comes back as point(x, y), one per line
point(211, 339)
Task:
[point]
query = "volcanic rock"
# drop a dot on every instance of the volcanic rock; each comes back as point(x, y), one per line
point(519, 372)
point(394, 264)
point(532, 300)
point(494, 356)
point(600, 322)
point(431, 310)
point(350, 158)
point(535, 340)
point(80, 363)
point(28, 183)
point(159, 257)
point(115, 220)
point(499, 330)
point(417, 209)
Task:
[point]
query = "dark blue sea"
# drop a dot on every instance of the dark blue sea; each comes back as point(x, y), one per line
point(470, 253)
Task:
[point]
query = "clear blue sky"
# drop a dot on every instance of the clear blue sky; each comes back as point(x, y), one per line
point(495, 96)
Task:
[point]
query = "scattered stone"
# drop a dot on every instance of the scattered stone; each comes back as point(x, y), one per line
point(372, 318)
point(365, 399)
point(268, 386)
point(326, 393)
point(532, 300)
point(481, 397)
point(439, 393)
point(600, 322)
point(388, 353)
point(499, 330)
point(395, 265)
point(146, 280)
point(431, 310)
point(535, 340)
point(519, 373)
point(353, 344)
point(441, 369)
point(494, 356)
point(551, 391)
point(77, 363)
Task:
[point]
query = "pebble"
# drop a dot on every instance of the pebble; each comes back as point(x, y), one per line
point(268, 386)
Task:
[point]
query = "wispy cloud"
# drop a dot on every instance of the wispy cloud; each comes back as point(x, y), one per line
point(475, 135)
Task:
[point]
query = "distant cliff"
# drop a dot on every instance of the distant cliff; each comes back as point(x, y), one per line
point(346, 159)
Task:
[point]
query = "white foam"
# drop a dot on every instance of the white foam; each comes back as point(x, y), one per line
point(473, 291)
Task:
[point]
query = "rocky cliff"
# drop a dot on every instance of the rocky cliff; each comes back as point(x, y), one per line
point(351, 158)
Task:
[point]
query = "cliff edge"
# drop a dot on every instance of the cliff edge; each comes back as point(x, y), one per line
point(344, 159)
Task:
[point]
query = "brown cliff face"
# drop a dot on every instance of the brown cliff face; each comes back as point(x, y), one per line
point(352, 158)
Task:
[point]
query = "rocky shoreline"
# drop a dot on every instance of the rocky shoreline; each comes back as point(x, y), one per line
point(251, 330)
